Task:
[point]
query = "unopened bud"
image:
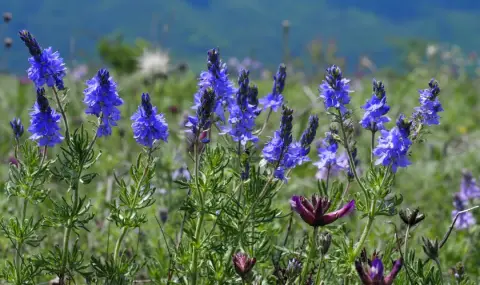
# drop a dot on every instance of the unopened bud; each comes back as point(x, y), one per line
point(324, 242)
point(430, 248)
point(243, 265)
point(411, 217)
point(294, 268)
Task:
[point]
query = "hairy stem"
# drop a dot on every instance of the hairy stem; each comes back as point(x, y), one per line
point(319, 278)
point(405, 247)
point(372, 147)
point(366, 230)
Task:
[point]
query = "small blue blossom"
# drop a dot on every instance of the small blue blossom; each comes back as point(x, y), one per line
point(469, 188)
point(465, 220)
point(102, 100)
point(275, 99)
point(242, 115)
point(17, 127)
point(430, 106)
point(329, 164)
point(309, 134)
point(335, 89)
point(181, 173)
point(393, 146)
point(375, 109)
point(44, 122)
point(147, 125)
point(46, 67)
point(217, 78)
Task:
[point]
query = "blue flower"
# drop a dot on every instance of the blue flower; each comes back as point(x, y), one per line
point(44, 122)
point(393, 146)
point(275, 99)
point(329, 164)
point(46, 67)
point(430, 106)
point(282, 151)
point(468, 187)
point(465, 220)
point(335, 89)
point(217, 78)
point(102, 100)
point(375, 109)
point(242, 114)
point(17, 127)
point(147, 124)
point(275, 150)
point(201, 122)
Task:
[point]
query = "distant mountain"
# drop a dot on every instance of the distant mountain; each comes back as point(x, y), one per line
point(240, 27)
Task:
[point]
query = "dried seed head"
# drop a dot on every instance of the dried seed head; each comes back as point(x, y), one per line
point(7, 17)
point(8, 42)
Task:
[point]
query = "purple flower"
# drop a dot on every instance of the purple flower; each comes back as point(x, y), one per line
point(102, 100)
point(315, 213)
point(44, 122)
point(371, 271)
point(46, 67)
point(468, 187)
point(375, 109)
point(147, 125)
point(334, 90)
point(393, 146)
point(430, 106)
point(275, 99)
point(242, 115)
point(465, 220)
point(243, 264)
point(217, 78)
point(17, 127)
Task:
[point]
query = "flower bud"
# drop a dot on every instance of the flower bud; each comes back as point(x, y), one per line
point(411, 217)
point(430, 248)
point(324, 242)
point(243, 264)
point(163, 214)
point(294, 268)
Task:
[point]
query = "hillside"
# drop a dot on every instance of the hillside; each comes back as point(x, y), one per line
point(241, 28)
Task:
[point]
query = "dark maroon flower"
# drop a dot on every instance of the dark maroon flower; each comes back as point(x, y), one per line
point(243, 264)
point(371, 271)
point(315, 213)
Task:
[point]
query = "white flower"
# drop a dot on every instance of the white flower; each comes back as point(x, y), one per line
point(431, 50)
point(153, 62)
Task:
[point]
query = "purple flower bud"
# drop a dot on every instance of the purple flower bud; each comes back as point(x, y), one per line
point(315, 213)
point(243, 264)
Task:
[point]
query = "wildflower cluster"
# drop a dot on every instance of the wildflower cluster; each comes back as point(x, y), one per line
point(228, 227)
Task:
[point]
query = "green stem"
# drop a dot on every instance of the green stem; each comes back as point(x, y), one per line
point(18, 255)
point(318, 279)
point(405, 243)
point(363, 237)
point(372, 147)
point(119, 242)
point(310, 256)
point(74, 187)
point(265, 123)
point(62, 111)
point(350, 157)
point(439, 269)
point(198, 228)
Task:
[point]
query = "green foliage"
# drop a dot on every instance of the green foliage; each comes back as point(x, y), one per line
point(119, 55)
